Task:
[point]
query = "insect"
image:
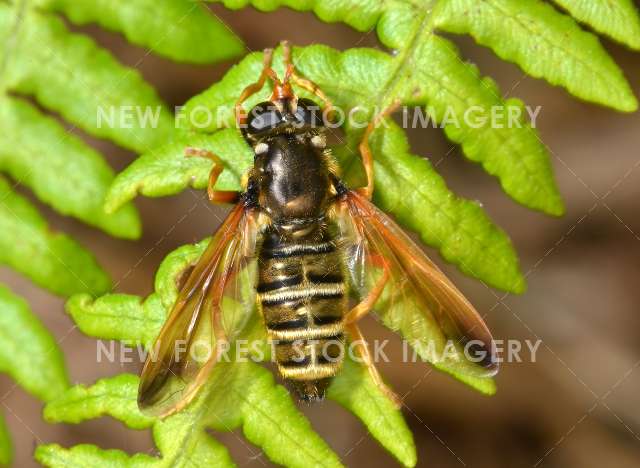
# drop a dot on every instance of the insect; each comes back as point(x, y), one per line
point(324, 256)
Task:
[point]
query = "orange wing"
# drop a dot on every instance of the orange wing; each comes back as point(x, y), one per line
point(418, 299)
point(185, 351)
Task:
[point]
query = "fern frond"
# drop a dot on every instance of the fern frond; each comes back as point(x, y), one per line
point(29, 354)
point(459, 228)
point(181, 30)
point(165, 171)
point(38, 153)
point(617, 19)
point(239, 394)
point(51, 260)
point(544, 42)
point(426, 71)
point(82, 81)
point(353, 389)
point(70, 75)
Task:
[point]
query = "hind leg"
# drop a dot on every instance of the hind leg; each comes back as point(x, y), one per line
point(363, 353)
point(366, 305)
point(362, 348)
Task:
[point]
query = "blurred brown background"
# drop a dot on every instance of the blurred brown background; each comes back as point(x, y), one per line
point(577, 406)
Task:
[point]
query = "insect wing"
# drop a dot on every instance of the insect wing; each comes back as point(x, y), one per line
point(418, 299)
point(211, 308)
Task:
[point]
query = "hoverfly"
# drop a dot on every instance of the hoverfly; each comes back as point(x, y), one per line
point(315, 242)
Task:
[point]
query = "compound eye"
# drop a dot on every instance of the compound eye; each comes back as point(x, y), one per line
point(264, 116)
point(309, 113)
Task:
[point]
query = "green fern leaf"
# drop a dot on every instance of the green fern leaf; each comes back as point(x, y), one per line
point(118, 317)
point(514, 154)
point(68, 74)
point(426, 71)
point(359, 14)
point(615, 18)
point(30, 355)
point(166, 171)
point(542, 41)
point(356, 392)
point(545, 43)
point(240, 394)
point(35, 150)
point(459, 228)
point(180, 30)
point(52, 260)
point(82, 81)
point(115, 396)
point(85, 455)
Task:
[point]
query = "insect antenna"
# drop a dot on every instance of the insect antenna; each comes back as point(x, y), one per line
point(282, 89)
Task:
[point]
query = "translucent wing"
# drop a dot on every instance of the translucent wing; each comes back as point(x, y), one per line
point(418, 300)
point(212, 306)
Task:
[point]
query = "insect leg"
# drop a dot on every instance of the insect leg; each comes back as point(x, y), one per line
point(365, 149)
point(365, 306)
point(314, 89)
point(362, 350)
point(304, 83)
point(215, 196)
point(267, 72)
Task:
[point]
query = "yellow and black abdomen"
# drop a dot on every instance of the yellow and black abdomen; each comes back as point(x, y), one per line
point(303, 299)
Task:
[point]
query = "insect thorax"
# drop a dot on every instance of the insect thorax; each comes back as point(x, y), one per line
point(293, 178)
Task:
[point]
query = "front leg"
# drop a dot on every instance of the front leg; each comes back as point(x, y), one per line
point(215, 196)
point(365, 149)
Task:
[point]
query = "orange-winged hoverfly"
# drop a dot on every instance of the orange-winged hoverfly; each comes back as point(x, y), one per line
point(323, 254)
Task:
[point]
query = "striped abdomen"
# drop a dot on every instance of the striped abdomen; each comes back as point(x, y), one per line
point(303, 299)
